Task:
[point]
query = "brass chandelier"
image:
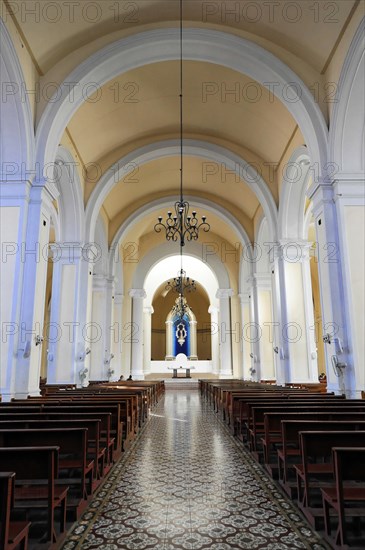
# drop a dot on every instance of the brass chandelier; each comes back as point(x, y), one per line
point(181, 225)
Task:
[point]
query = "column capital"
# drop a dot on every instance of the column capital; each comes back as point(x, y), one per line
point(213, 310)
point(67, 252)
point(294, 251)
point(137, 293)
point(12, 191)
point(263, 280)
point(99, 282)
point(320, 192)
point(352, 190)
point(244, 298)
point(148, 309)
point(224, 293)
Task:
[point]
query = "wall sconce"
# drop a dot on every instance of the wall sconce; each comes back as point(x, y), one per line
point(107, 361)
point(276, 349)
point(38, 340)
point(83, 374)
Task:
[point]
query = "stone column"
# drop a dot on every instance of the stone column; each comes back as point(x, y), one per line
point(214, 321)
point(193, 340)
point(109, 363)
point(62, 330)
point(349, 197)
point(96, 337)
point(14, 200)
point(280, 343)
point(245, 345)
point(333, 303)
point(25, 226)
point(137, 295)
point(169, 325)
point(117, 336)
point(147, 338)
point(252, 332)
point(225, 344)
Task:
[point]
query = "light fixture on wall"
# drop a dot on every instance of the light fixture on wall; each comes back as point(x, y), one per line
point(181, 225)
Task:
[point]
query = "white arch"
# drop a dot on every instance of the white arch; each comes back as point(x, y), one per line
point(197, 269)
point(205, 45)
point(165, 250)
point(347, 129)
point(70, 200)
point(136, 216)
point(17, 143)
point(170, 148)
point(293, 196)
point(262, 264)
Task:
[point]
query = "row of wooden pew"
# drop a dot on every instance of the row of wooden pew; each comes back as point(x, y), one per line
point(57, 448)
point(311, 443)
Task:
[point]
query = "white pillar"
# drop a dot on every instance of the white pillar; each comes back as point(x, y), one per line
point(147, 338)
point(299, 329)
point(25, 226)
point(169, 325)
point(62, 331)
point(14, 199)
point(193, 340)
point(109, 364)
point(245, 344)
point(214, 328)
point(225, 344)
point(280, 343)
point(137, 295)
point(100, 329)
point(117, 336)
point(349, 197)
point(253, 332)
point(331, 282)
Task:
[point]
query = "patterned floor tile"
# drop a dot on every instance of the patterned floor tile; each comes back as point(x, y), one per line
point(187, 484)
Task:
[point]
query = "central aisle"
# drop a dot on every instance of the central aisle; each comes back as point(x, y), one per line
point(188, 484)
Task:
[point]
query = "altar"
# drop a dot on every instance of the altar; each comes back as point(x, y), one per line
point(175, 371)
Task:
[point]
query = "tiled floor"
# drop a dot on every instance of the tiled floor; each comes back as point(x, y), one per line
point(188, 484)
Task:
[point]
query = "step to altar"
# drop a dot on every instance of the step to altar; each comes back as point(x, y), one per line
point(181, 383)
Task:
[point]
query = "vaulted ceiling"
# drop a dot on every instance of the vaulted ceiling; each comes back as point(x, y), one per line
point(220, 106)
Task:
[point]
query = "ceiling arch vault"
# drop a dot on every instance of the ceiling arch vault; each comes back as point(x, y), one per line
point(171, 148)
point(205, 45)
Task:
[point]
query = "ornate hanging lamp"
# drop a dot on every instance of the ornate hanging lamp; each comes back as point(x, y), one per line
point(181, 225)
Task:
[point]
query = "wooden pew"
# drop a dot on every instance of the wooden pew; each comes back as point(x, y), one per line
point(106, 438)
point(279, 438)
point(72, 444)
point(316, 470)
point(347, 498)
point(256, 414)
point(95, 450)
point(289, 450)
point(12, 533)
point(38, 465)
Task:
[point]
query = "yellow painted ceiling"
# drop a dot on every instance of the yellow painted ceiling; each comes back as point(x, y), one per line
point(162, 178)
point(145, 103)
point(307, 29)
